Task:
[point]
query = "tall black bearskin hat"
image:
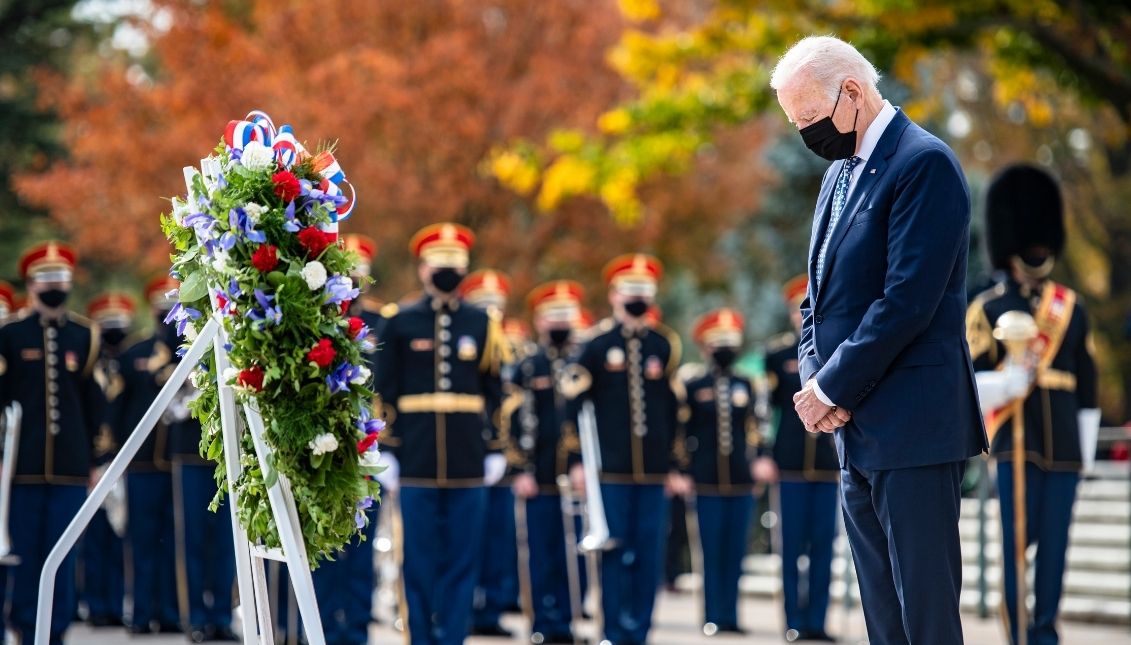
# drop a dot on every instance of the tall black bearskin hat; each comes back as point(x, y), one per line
point(1023, 209)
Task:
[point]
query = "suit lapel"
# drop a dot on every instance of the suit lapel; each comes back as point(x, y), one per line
point(873, 170)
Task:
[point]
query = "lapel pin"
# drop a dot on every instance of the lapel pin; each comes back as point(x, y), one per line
point(872, 171)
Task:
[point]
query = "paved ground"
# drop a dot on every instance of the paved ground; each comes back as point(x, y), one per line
point(677, 621)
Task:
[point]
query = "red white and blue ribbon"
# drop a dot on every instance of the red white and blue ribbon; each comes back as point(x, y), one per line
point(258, 126)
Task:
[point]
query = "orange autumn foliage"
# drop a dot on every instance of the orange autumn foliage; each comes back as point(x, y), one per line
point(417, 94)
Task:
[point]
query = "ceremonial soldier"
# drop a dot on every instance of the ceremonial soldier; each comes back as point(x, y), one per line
point(721, 440)
point(145, 366)
point(1025, 226)
point(805, 466)
point(103, 584)
point(497, 590)
point(344, 586)
point(627, 371)
point(546, 442)
point(438, 375)
point(47, 358)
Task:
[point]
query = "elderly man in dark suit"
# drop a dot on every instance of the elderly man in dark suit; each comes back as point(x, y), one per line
point(883, 353)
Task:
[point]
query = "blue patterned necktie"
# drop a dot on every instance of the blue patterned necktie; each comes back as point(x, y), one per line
point(840, 197)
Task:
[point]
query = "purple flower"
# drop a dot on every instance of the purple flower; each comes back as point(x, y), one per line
point(290, 224)
point(359, 516)
point(315, 196)
point(270, 313)
point(339, 379)
point(339, 288)
point(221, 182)
point(240, 222)
point(181, 314)
point(367, 424)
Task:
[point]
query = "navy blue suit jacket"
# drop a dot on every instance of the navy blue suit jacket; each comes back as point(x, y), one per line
point(884, 333)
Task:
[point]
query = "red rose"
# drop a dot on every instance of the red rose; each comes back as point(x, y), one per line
point(356, 325)
point(345, 307)
point(322, 354)
point(365, 444)
point(265, 258)
point(251, 378)
point(287, 186)
point(315, 241)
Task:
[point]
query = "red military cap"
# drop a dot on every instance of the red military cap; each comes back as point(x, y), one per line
point(634, 273)
point(721, 327)
point(156, 289)
point(486, 288)
point(443, 245)
point(556, 300)
point(794, 290)
point(516, 330)
point(48, 261)
point(112, 309)
point(7, 298)
point(366, 249)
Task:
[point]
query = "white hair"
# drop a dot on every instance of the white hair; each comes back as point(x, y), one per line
point(828, 61)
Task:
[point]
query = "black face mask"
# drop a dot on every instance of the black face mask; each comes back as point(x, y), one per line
point(111, 337)
point(724, 357)
point(826, 141)
point(53, 298)
point(559, 337)
point(446, 280)
point(636, 308)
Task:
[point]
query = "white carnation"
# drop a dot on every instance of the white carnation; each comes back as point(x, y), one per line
point(314, 274)
point(370, 459)
point(256, 156)
point(323, 443)
point(221, 260)
point(362, 376)
point(254, 211)
point(230, 376)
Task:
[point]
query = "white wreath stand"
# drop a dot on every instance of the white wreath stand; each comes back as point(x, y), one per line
point(249, 557)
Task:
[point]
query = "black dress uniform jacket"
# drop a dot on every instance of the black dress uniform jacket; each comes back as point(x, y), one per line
point(145, 367)
point(539, 418)
point(800, 455)
point(1052, 432)
point(721, 433)
point(438, 375)
point(630, 377)
point(48, 366)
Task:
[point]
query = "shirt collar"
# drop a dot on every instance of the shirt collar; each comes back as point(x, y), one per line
point(875, 131)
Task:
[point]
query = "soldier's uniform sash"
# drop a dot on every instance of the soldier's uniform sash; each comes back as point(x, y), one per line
point(1054, 313)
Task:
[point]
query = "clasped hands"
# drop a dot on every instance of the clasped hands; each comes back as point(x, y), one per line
point(815, 414)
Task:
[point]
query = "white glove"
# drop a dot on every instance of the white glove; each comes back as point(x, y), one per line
point(1089, 422)
point(390, 477)
point(996, 388)
point(494, 467)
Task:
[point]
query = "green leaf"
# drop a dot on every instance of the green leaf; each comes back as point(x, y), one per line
point(215, 449)
point(316, 460)
point(193, 287)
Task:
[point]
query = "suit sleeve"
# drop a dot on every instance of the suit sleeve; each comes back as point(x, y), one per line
point(927, 229)
point(807, 361)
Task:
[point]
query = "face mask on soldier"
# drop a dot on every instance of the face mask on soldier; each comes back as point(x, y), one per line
point(446, 279)
point(636, 308)
point(53, 298)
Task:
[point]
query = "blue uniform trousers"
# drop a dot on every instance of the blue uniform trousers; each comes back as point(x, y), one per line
point(724, 523)
point(103, 572)
point(637, 515)
point(344, 589)
point(152, 548)
point(549, 581)
point(808, 527)
point(443, 533)
point(1048, 510)
point(40, 513)
point(209, 555)
point(903, 528)
point(498, 574)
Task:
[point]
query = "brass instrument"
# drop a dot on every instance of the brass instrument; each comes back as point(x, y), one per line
point(12, 417)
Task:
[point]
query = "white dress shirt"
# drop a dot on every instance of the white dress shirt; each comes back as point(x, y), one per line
point(867, 147)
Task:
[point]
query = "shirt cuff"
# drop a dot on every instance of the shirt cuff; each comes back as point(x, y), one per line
point(821, 394)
